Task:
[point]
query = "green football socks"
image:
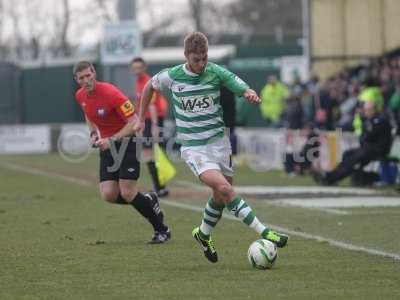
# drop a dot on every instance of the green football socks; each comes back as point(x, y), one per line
point(212, 214)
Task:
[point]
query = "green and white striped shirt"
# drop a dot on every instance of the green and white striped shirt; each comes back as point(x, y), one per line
point(196, 100)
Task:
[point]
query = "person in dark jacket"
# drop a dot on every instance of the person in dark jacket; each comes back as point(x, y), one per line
point(229, 115)
point(375, 143)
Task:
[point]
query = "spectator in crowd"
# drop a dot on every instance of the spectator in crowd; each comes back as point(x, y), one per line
point(273, 97)
point(394, 107)
point(332, 104)
point(314, 84)
point(375, 143)
point(347, 109)
point(372, 92)
point(297, 87)
point(345, 101)
point(293, 116)
point(323, 105)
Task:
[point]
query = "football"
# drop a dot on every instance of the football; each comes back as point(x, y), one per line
point(262, 254)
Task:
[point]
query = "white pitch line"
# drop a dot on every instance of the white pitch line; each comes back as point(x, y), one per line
point(332, 211)
point(196, 186)
point(288, 190)
point(332, 242)
point(295, 190)
point(34, 171)
point(343, 202)
point(304, 235)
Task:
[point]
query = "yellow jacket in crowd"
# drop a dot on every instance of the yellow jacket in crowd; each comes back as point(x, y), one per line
point(369, 94)
point(273, 98)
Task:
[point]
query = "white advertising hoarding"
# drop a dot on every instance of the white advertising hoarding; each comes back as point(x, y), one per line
point(25, 139)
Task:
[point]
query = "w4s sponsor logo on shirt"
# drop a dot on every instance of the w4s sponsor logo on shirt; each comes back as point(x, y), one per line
point(197, 103)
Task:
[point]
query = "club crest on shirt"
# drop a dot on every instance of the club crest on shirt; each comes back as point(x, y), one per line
point(101, 112)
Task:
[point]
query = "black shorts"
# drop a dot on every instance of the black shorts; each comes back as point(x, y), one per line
point(148, 139)
point(129, 168)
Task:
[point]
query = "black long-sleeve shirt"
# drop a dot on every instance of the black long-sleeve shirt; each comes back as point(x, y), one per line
point(377, 134)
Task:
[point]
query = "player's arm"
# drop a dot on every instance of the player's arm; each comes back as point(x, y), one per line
point(236, 85)
point(93, 131)
point(156, 83)
point(127, 130)
point(126, 110)
point(251, 96)
point(154, 116)
point(145, 101)
point(94, 135)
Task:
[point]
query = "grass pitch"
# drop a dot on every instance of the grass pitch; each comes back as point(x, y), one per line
point(58, 240)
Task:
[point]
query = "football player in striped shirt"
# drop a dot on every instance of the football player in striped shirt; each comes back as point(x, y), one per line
point(193, 89)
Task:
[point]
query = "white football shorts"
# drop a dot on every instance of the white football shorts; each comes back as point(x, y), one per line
point(214, 156)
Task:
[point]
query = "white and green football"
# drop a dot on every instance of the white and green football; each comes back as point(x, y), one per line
point(262, 254)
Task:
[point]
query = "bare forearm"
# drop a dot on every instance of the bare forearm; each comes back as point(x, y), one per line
point(153, 114)
point(127, 130)
point(90, 125)
point(145, 100)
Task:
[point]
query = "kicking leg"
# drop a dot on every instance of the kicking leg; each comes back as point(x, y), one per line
point(238, 207)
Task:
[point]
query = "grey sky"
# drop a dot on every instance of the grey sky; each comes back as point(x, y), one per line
point(44, 18)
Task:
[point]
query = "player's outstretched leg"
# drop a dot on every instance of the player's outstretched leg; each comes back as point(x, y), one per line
point(239, 208)
point(212, 214)
point(225, 193)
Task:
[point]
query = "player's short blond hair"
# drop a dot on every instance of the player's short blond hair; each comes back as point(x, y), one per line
point(195, 42)
point(82, 65)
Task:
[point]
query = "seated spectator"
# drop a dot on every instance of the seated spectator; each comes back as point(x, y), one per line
point(371, 92)
point(375, 144)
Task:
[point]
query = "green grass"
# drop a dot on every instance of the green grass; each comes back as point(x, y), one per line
point(58, 240)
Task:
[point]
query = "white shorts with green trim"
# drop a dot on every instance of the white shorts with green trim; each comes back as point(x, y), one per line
point(213, 156)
